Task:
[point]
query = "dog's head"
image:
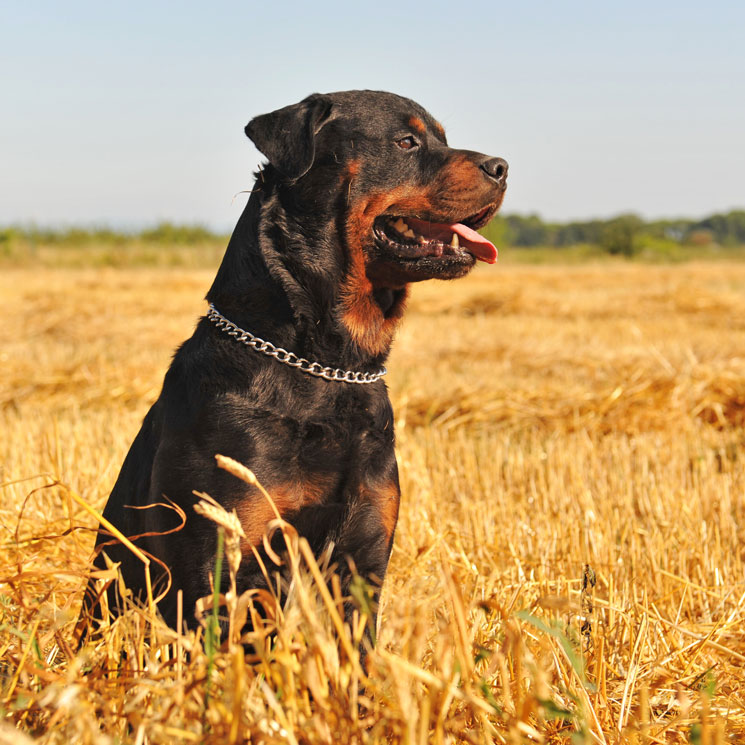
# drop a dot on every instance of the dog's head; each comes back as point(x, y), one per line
point(405, 206)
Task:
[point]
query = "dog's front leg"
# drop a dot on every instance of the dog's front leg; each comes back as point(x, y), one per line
point(363, 547)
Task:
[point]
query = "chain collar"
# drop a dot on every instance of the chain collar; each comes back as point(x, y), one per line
point(290, 358)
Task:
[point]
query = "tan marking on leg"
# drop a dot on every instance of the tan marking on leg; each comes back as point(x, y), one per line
point(386, 498)
point(389, 499)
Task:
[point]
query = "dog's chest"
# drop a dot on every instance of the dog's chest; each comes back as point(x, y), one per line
point(307, 448)
point(316, 463)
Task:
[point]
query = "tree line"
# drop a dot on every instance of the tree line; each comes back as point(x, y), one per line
point(164, 232)
point(624, 234)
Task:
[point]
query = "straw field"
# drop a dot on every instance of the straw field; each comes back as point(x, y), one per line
point(569, 565)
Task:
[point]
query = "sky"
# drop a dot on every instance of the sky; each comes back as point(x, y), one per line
point(126, 114)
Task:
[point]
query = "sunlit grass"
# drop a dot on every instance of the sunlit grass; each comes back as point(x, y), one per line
point(569, 559)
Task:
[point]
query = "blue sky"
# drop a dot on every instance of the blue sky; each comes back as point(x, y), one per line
point(130, 113)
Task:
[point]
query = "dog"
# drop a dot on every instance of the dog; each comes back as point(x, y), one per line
point(361, 196)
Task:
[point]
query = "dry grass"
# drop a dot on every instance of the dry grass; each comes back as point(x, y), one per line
point(556, 426)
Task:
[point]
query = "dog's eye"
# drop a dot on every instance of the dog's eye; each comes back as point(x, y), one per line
point(407, 143)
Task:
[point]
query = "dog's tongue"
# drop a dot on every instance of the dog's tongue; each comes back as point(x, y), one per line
point(475, 243)
point(467, 237)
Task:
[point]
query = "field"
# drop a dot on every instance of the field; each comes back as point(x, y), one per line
point(569, 565)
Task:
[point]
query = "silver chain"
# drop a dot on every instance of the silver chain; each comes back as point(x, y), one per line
point(290, 358)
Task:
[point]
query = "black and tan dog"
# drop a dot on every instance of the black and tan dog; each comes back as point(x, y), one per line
point(361, 196)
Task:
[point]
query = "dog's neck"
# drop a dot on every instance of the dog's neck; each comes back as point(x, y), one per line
point(280, 279)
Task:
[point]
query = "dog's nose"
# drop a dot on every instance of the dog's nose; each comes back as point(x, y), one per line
point(496, 168)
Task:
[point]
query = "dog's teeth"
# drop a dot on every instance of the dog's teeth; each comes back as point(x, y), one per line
point(400, 225)
point(410, 233)
point(454, 242)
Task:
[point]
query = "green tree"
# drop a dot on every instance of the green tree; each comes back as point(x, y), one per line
point(620, 236)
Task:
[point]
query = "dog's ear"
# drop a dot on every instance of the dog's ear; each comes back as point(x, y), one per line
point(287, 136)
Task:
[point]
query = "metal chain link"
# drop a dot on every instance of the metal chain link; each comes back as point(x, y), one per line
point(290, 358)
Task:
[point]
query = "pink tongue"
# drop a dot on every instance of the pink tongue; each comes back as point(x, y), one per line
point(475, 243)
point(468, 238)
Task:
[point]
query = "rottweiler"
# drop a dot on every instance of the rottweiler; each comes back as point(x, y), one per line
point(360, 197)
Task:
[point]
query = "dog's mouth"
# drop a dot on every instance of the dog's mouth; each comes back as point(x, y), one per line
point(412, 238)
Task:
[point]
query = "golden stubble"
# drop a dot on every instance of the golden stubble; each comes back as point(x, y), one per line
point(572, 460)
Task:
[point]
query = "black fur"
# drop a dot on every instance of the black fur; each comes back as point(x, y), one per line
point(305, 271)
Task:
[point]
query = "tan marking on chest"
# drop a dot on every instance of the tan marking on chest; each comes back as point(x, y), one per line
point(255, 512)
